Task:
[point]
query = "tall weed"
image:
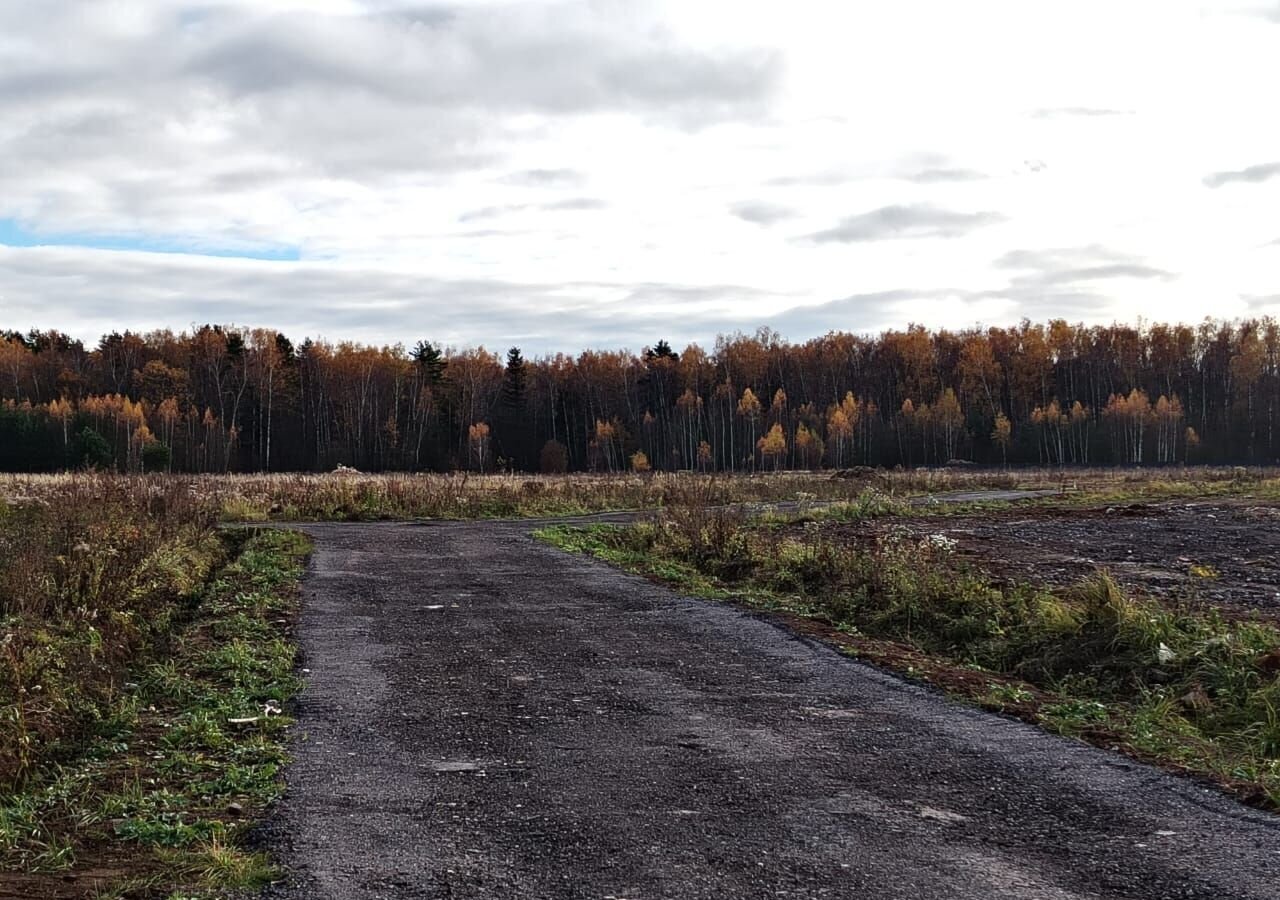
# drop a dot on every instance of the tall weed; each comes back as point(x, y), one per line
point(93, 571)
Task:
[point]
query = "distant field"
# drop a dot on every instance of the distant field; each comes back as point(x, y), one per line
point(353, 496)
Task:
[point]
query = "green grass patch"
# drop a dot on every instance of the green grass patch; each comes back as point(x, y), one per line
point(160, 793)
point(1256, 485)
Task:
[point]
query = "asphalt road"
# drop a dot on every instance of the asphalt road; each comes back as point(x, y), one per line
point(485, 716)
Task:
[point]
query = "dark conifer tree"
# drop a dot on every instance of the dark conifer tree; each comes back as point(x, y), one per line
point(514, 433)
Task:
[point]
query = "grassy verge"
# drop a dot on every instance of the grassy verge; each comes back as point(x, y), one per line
point(1184, 688)
point(157, 794)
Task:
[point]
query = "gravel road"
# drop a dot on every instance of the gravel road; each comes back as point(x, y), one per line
point(485, 716)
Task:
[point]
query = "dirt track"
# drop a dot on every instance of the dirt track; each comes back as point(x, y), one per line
point(488, 717)
point(1217, 553)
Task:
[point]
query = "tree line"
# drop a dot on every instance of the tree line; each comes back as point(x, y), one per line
point(224, 399)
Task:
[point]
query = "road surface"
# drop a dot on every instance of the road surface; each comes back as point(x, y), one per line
point(485, 716)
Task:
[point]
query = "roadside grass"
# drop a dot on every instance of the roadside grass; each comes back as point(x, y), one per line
point(156, 797)
point(1182, 687)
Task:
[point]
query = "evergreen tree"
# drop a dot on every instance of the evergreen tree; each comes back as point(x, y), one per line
point(92, 450)
point(514, 435)
point(513, 383)
point(658, 382)
point(430, 360)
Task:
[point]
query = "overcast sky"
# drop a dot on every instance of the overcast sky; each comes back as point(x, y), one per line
point(572, 174)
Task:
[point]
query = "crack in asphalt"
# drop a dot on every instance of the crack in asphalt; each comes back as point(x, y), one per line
point(486, 716)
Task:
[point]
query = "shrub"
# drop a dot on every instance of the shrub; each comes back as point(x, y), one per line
point(554, 459)
point(155, 457)
point(92, 450)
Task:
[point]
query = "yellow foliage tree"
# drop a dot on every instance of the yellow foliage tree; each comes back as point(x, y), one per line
point(839, 433)
point(1129, 416)
point(949, 419)
point(749, 408)
point(809, 448)
point(773, 446)
point(705, 458)
point(1002, 434)
point(61, 411)
point(478, 438)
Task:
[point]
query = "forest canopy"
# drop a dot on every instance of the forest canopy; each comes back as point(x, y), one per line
point(229, 399)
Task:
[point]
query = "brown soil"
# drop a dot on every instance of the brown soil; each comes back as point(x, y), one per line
point(1220, 553)
point(83, 882)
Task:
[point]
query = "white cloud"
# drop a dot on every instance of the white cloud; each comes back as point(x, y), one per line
point(1248, 175)
point(898, 222)
point(761, 212)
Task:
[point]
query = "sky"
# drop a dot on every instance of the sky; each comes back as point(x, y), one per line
point(608, 173)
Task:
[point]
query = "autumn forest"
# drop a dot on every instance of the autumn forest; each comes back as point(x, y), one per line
point(223, 399)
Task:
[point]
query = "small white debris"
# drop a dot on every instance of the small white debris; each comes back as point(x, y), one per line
point(456, 766)
point(941, 815)
point(939, 542)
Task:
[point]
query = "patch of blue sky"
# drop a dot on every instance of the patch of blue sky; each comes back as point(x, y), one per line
point(14, 234)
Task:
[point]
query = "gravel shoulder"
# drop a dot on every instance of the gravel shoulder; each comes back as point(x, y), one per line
point(485, 716)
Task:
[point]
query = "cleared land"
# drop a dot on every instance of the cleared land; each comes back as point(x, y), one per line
point(1208, 553)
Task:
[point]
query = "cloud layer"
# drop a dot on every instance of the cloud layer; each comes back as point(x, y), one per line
point(1250, 175)
point(569, 172)
point(174, 117)
point(117, 290)
point(902, 222)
